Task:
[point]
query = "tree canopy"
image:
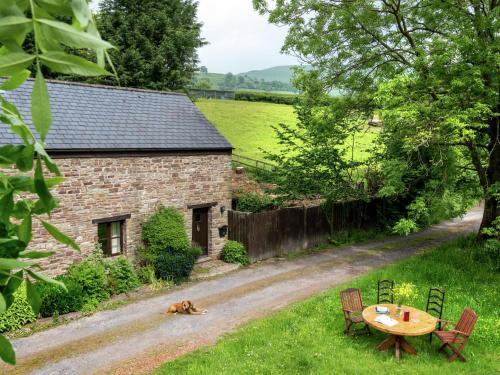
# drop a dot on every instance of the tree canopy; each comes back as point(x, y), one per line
point(430, 68)
point(156, 41)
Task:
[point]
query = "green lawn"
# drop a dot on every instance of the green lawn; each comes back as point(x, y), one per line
point(248, 126)
point(307, 338)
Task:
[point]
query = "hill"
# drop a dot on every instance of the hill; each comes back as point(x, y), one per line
point(277, 78)
point(282, 73)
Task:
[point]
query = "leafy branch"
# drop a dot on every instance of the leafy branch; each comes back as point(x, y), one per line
point(27, 172)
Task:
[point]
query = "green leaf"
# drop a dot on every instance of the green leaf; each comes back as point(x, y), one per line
point(48, 160)
point(33, 297)
point(70, 36)
point(92, 29)
point(15, 62)
point(40, 106)
point(36, 254)
point(81, 11)
point(58, 235)
point(14, 28)
point(3, 304)
point(14, 112)
point(25, 160)
point(7, 351)
point(12, 264)
point(45, 279)
point(68, 64)
point(41, 187)
point(14, 283)
point(6, 207)
point(24, 230)
point(16, 80)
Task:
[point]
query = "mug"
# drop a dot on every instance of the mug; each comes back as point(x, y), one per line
point(406, 316)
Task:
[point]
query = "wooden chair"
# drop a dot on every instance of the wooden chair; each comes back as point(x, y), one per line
point(384, 291)
point(457, 338)
point(435, 304)
point(352, 306)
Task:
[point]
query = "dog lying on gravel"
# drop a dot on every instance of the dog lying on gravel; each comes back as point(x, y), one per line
point(185, 307)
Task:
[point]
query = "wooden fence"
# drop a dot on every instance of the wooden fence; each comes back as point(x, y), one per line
point(273, 233)
point(253, 164)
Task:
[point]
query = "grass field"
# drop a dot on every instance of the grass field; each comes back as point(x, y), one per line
point(307, 338)
point(248, 126)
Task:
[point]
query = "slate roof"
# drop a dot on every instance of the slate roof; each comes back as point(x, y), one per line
point(104, 118)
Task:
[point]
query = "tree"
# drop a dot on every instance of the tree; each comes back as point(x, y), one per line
point(27, 172)
point(203, 70)
point(229, 80)
point(431, 68)
point(156, 41)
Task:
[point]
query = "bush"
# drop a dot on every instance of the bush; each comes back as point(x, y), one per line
point(252, 202)
point(19, 313)
point(56, 301)
point(488, 252)
point(165, 230)
point(176, 266)
point(91, 275)
point(121, 275)
point(234, 252)
point(269, 97)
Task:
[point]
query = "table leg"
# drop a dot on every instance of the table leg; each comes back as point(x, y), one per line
point(387, 343)
point(407, 346)
point(399, 343)
point(397, 348)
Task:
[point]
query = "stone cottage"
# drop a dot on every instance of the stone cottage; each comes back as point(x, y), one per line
point(125, 152)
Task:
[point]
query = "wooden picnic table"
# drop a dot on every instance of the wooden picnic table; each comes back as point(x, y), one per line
point(421, 323)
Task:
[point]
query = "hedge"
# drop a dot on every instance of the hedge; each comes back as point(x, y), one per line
point(268, 97)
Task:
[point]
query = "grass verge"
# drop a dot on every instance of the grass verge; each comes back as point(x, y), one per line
point(307, 337)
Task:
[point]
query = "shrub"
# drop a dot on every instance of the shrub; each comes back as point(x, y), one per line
point(269, 97)
point(165, 230)
point(19, 313)
point(234, 252)
point(91, 275)
point(488, 252)
point(121, 275)
point(253, 202)
point(176, 266)
point(56, 301)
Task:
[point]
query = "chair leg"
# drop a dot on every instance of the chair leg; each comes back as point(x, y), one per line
point(457, 353)
point(442, 347)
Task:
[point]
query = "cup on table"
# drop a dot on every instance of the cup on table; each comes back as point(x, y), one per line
point(406, 316)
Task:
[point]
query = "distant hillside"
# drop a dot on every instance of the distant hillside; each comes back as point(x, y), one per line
point(282, 73)
point(277, 78)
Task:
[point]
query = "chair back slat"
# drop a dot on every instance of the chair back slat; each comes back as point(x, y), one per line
point(351, 299)
point(467, 321)
point(385, 291)
point(435, 302)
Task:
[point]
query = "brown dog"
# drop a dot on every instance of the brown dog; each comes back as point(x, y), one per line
point(185, 307)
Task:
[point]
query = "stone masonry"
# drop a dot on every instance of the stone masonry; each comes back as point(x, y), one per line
point(101, 187)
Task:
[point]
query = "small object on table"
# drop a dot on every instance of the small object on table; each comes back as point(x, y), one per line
point(421, 323)
point(406, 316)
point(386, 321)
point(381, 310)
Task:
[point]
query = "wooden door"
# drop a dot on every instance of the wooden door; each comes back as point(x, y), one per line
point(200, 229)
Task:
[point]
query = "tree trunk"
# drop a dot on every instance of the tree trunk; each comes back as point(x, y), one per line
point(491, 204)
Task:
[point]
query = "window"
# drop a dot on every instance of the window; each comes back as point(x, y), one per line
point(111, 237)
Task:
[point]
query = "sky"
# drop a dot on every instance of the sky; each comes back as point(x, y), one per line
point(240, 39)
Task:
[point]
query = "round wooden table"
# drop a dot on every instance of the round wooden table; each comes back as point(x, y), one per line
point(421, 323)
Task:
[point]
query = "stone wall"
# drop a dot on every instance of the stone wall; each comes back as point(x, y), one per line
point(101, 187)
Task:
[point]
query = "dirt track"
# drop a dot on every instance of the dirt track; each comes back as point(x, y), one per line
point(138, 337)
